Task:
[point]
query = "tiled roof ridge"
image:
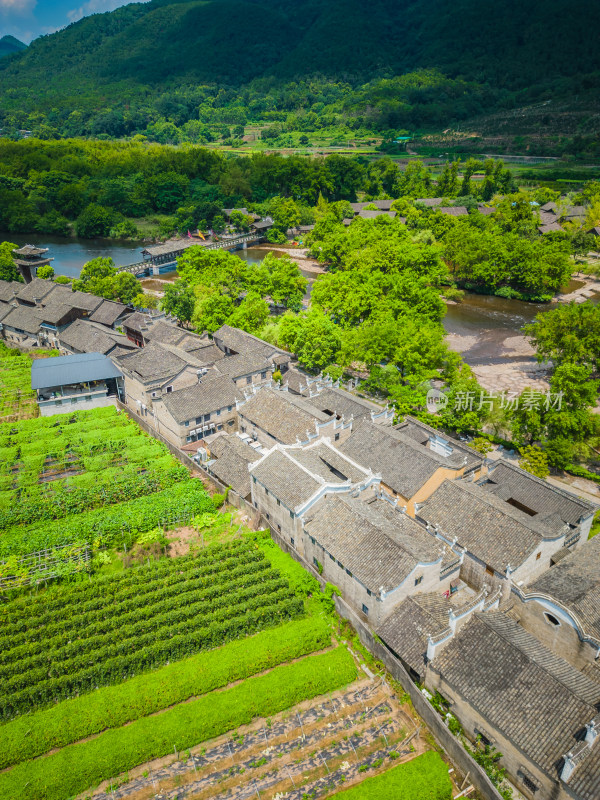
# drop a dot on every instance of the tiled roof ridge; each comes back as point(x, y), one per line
point(393, 433)
point(431, 429)
point(563, 492)
point(501, 506)
point(488, 618)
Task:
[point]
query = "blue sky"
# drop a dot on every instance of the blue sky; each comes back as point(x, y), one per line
point(27, 19)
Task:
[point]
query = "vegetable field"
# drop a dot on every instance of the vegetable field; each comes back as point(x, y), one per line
point(54, 646)
point(17, 398)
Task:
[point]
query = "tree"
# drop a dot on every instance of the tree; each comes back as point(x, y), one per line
point(287, 284)
point(179, 300)
point(94, 222)
point(45, 272)
point(569, 333)
point(313, 337)
point(534, 460)
point(251, 315)
point(8, 268)
point(212, 310)
point(483, 446)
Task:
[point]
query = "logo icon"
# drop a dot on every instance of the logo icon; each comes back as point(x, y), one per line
point(436, 401)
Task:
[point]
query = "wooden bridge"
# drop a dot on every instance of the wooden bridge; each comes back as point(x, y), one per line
point(164, 255)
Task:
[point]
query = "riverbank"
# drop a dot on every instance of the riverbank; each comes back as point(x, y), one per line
point(299, 254)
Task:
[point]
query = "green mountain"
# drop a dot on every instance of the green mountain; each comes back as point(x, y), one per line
point(491, 55)
point(10, 45)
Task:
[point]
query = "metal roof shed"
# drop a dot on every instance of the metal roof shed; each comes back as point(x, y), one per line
point(68, 370)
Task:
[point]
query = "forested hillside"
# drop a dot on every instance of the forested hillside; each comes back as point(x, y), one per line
point(10, 45)
point(167, 58)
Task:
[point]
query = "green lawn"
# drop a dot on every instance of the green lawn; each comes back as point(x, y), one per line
point(423, 778)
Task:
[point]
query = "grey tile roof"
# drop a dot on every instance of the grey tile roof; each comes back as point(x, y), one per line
point(211, 394)
point(489, 528)
point(108, 312)
point(58, 313)
point(486, 210)
point(552, 227)
point(5, 308)
point(286, 479)
point(23, 318)
point(406, 629)
point(64, 294)
point(381, 553)
point(370, 213)
point(243, 342)
point(535, 699)
point(421, 433)
point(509, 481)
point(34, 291)
point(325, 461)
point(343, 404)
point(231, 467)
point(244, 364)
point(453, 211)
point(172, 246)
point(89, 337)
point(136, 322)
point(165, 332)
point(431, 202)
point(155, 362)
point(8, 289)
point(575, 582)
point(405, 465)
point(549, 207)
point(284, 416)
point(585, 781)
point(297, 381)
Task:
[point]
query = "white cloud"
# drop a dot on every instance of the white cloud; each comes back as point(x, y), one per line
point(91, 7)
point(20, 8)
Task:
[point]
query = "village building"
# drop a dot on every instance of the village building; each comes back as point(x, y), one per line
point(21, 326)
point(246, 369)
point(562, 607)
point(413, 459)
point(502, 543)
point(273, 416)
point(230, 457)
point(375, 554)
point(287, 481)
point(31, 294)
point(541, 500)
point(110, 314)
point(422, 623)
point(192, 413)
point(233, 341)
point(75, 383)
point(9, 291)
point(341, 404)
point(156, 369)
point(85, 336)
point(509, 691)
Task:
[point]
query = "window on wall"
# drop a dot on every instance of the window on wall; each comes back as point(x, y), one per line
point(278, 502)
point(292, 514)
point(336, 438)
point(292, 541)
point(348, 572)
point(529, 784)
point(187, 423)
point(550, 618)
point(369, 592)
point(365, 609)
point(229, 408)
point(418, 580)
point(263, 375)
point(169, 389)
point(538, 556)
point(489, 570)
point(249, 379)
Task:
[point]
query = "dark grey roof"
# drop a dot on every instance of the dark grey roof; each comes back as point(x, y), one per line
point(405, 465)
point(244, 364)
point(370, 213)
point(57, 313)
point(575, 583)
point(136, 322)
point(90, 337)
point(64, 294)
point(423, 433)
point(510, 482)
point(552, 227)
point(67, 370)
point(549, 207)
point(231, 467)
point(486, 210)
point(343, 404)
point(5, 308)
point(155, 362)
point(165, 332)
point(431, 202)
point(108, 312)
point(286, 417)
point(379, 551)
point(262, 225)
point(31, 250)
point(535, 699)
point(34, 291)
point(242, 342)
point(328, 463)
point(575, 213)
point(286, 479)
point(173, 246)
point(211, 394)
point(297, 381)
point(8, 290)
point(453, 211)
point(23, 318)
point(490, 529)
point(406, 629)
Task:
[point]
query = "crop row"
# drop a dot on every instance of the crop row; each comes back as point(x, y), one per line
point(80, 766)
point(59, 653)
point(102, 611)
point(33, 735)
point(184, 642)
point(118, 524)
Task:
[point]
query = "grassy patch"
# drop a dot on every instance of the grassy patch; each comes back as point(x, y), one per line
point(79, 766)
point(423, 778)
